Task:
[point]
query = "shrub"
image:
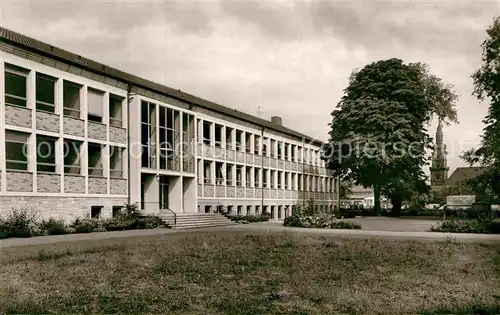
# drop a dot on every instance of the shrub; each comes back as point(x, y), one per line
point(324, 221)
point(251, 218)
point(52, 227)
point(70, 230)
point(99, 229)
point(120, 223)
point(468, 226)
point(18, 224)
point(149, 222)
point(84, 225)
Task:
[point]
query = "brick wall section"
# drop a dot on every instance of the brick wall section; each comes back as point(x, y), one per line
point(96, 131)
point(67, 209)
point(118, 186)
point(98, 185)
point(18, 116)
point(47, 122)
point(74, 127)
point(20, 181)
point(48, 183)
point(74, 184)
point(117, 135)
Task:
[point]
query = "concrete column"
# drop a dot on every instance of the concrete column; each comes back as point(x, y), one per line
point(189, 192)
point(134, 150)
point(175, 193)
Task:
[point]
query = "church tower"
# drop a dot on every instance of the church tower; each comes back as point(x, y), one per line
point(439, 167)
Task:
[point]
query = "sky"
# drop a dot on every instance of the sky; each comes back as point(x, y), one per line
point(286, 58)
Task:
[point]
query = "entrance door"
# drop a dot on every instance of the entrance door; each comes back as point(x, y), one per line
point(163, 197)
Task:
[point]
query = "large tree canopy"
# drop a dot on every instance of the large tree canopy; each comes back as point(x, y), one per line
point(378, 135)
point(487, 88)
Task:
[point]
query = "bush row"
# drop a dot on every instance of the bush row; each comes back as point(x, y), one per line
point(320, 221)
point(251, 218)
point(468, 226)
point(23, 224)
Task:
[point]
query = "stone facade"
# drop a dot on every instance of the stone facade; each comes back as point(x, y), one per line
point(48, 183)
point(18, 116)
point(47, 122)
point(98, 185)
point(96, 131)
point(74, 184)
point(117, 135)
point(208, 190)
point(19, 181)
point(74, 126)
point(118, 186)
point(65, 208)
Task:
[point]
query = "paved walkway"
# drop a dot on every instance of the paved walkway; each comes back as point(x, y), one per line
point(398, 229)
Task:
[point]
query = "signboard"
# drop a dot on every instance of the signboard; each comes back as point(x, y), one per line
point(460, 201)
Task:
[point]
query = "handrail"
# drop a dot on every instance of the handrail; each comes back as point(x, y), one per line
point(175, 215)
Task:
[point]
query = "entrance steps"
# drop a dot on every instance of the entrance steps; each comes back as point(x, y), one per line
point(195, 220)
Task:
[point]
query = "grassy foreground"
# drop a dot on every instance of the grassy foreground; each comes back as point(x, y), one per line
point(238, 273)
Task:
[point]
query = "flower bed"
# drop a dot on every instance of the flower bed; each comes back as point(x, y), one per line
point(320, 221)
point(250, 218)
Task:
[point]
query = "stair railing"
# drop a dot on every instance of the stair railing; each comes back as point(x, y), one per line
point(173, 212)
point(162, 208)
point(226, 211)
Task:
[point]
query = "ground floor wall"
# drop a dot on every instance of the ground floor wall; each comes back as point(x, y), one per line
point(64, 208)
point(278, 209)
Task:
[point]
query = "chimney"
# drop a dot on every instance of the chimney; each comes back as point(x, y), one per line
point(276, 120)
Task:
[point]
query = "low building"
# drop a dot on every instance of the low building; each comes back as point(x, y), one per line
point(80, 138)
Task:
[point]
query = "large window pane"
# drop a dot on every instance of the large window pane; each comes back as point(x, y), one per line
point(45, 92)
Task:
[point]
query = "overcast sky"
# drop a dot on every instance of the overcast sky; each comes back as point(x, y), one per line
point(291, 58)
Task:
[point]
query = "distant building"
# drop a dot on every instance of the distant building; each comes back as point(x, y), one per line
point(440, 182)
point(360, 196)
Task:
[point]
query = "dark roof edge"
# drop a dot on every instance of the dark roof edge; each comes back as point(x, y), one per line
point(48, 50)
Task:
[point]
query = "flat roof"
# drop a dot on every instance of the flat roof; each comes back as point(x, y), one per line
point(45, 49)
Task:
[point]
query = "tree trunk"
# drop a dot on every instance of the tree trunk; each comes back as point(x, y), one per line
point(396, 206)
point(376, 201)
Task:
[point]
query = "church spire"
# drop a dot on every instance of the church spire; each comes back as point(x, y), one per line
point(439, 168)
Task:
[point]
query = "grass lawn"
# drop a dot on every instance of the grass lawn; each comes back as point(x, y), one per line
point(240, 273)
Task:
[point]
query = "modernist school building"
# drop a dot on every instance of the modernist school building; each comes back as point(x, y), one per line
point(79, 138)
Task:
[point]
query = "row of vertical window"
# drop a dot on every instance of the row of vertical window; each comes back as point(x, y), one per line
point(235, 138)
point(17, 150)
point(161, 130)
point(16, 94)
point(277, 179)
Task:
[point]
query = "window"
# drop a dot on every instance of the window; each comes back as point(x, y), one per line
point(16, 150)
point(207, 172)
point(206, 132)
point(256, 144)
point(208, 209)
point(280, 179)
point(45, 154)
point(71, 99)
point(265, 182)
point(115, 110)
point(116, 162)
point(249, 209)
point(95, 101)
point(170, 133)
point(45, 93)
point(239, 140)
point(219, 175)
point(256, 177)
point(257, 209)
point(240, 210)
point(286, 151)
point(218, 136)
point(293, 155)
point(96, 212)
point(273, 179)
point(72, 164)
point(95, 159)
point(273, 148)
point(248, 178)
point(148, 134)
point(248, 143)
point(264, 146)
point(16, 86)
point(188, 142)
point(280, 150)
point(239, 175)
point(117, 210)
point(229, 138)
point(229, 175)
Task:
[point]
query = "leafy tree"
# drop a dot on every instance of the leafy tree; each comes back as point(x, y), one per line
point(487, 88)
point(378, 133)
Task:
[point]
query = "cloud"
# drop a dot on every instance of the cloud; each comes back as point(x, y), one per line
point(291, 59)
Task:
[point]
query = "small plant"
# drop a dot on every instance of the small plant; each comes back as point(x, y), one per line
point(84, 225)
point(18, 224)
point(149, 222)
point(52, 227)
point(468, 226)
point(99, 229)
